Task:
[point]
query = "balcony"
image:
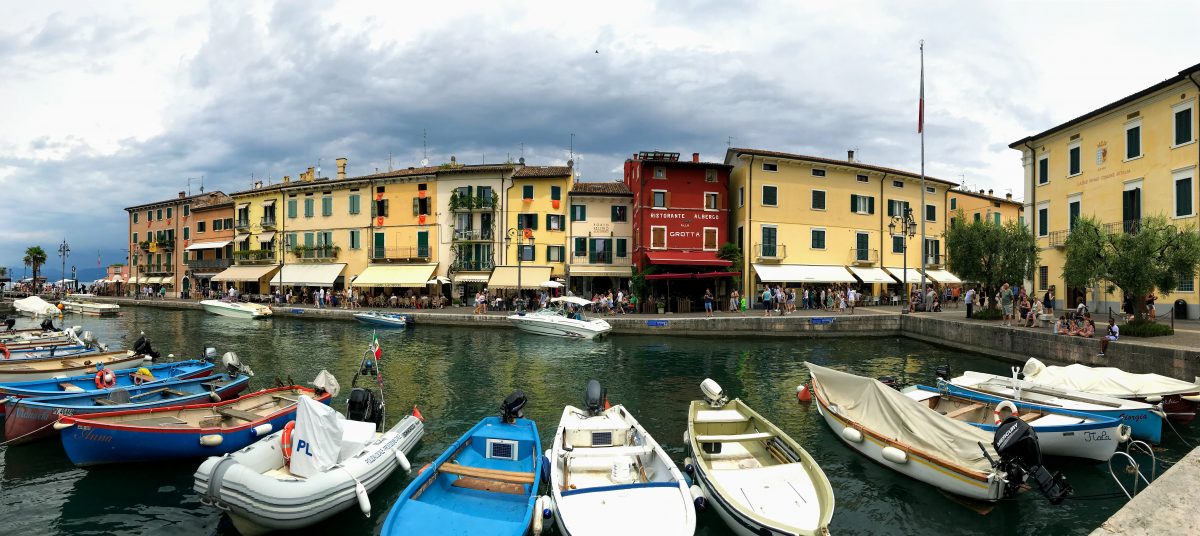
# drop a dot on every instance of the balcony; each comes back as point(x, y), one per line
point(144, 245)
point(267, 223)
point(166, 245)
point(935, 261)
point(242, 224)
point(316, 253)
point(1058, 239)
point(208, 264)
point(1127, 226)
point(468, 203)
point(156, 270)
point(400, 254)
point(472, 266)
point(255, 256)
point(770, 251)
point(864, 256)
point(473, 235)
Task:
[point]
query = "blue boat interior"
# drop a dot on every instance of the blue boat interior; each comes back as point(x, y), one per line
point(148, 394)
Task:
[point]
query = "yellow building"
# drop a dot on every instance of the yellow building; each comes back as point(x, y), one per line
point(983, 206)
point(599, 248)
point(535, 234)
point(470, 210)
point(255, 247)
point(402, 232)
point(1132, 158)
point(810, 221)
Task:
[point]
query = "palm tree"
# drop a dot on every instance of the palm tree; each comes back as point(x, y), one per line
point(35, 257)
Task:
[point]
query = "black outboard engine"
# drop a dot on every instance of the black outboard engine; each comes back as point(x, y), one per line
point(890, 381)
point(1021, 458)
point(594, 398)
point(943, 372)
point(363, 406)
point(142, 346)
point(47, 325)
point(510, 410)
point(9, 323)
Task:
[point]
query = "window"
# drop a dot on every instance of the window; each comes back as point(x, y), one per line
point(953, 222)
point(135, 238)
point(769, 246)
point(770, 196)
point(1133, 140)
point(710, 239)
point(1073, 204)
point(1043, 277)
point(160, 214)
point(580, 246)
point(355, 203)
point(187, 210)
point(1044, 169)
point(996, 218)
point(308, 207)
point(930, 213)
point(168, 213)
point(228, 223)
point(556, 193)
point(217, 225)
point(527, 252)
point(554, 253)
point(770, 166)
point(1183, 193)
point(897, 244)
point(660, 199)
point(1187, 283)
point(527, 221)
point(816, 172)
point(953, 203)
point(710, 201)
point(658, 237)
point(622, 247)
point(291, 240)
point(897, 208)
point(818, 238)
point(355, 239)
point(1183, 123)
point(862, 204)
point(327, 206)
point(930, 190)
point(933, 251)
point(135, 217)
point(421, 206)
point(1043, 215)
point(200, 227)
point(423, 244)
point(527, 192)
point(620, 213)
point(601, 251)
point(741, 199)
point(710, 175)
point(818, 199)
point(578, 212)
point(977, 217)
point(660, 172)
point(554, 222)
point(291, 208)
point(187, 233)
point(1073, 159)
point(380, 209)
point(862, 178)
point(897, 184)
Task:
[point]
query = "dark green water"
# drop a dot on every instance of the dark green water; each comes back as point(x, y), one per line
point(458, 375)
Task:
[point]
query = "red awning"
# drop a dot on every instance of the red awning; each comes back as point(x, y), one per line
point(718, 274)
point(652, 277)
point(690, 258)
point(708, 275)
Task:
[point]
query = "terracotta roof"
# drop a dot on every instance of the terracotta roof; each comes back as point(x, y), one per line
point(276, 186)
point(617, 188)
point(833, 162)
point(987, 197)
point(543, 171)
point(211, 200)
point(173, 201)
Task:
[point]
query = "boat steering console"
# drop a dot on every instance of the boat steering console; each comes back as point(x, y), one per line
point(1021, 458)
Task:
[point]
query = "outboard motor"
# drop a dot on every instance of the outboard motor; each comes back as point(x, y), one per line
point(890, 381)
point(362, 406)
point(234, 366)
point(594, 398)
point(88, 339)
point(210, 355)
point(943, 372)
point(47, 325)
point(9, 323)
point(142, 346)
point(510, 410)
point(1021, 458)
point(713, 393)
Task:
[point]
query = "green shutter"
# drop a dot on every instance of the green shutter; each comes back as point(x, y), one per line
point(620, 247)
point(423, 244)
point(308, 208)
point(326, 206)
point(556, 193)
point(853, 203)
point(527, 191)
point(870, 205)
point(291, 208)
point(580, 247)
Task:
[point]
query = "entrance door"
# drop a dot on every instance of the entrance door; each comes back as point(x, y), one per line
point(378, 250)
point(187, 287)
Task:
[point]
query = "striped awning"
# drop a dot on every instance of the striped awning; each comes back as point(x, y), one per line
point(529, 276)
point(245, 273)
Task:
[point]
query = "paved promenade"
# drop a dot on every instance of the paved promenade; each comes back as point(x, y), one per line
point(1168, 506)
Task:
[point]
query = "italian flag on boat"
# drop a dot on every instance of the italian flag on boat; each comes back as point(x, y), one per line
point(376, 350)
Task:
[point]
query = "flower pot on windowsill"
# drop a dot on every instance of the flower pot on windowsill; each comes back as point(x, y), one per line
point(662, 309)
point(527, 199)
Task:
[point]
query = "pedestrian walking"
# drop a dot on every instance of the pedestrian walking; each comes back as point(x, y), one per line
point(766, 301)
point(1006, 304)
point(733, 301)
point(970, 299)
point(708, 303)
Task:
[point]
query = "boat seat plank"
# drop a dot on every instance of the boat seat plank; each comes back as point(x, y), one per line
point(481, 484)
point(239, 414)
point(105, 402)
point(734, 438)
point(600, 452)
point(720, 416)
point(964, 410)
point(156, 421)
point(158, 391)
point(70, 387)
point(512, 477)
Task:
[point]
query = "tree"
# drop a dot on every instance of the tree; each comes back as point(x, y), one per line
point(990, 254)
point(1137, 260)
point(35, 257)
point(732, 253)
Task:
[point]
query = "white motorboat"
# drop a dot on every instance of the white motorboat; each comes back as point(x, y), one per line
point(1178, 398)
point(381, 318)
point(606, 470)
point(912, 439)
point(91, 308)
point(759, 480)
point(236, 309)
point(35, 307)
point(559, 321)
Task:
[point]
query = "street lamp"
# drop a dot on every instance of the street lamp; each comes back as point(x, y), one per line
point(904, 227)
point(527, 234)
point(64, 251)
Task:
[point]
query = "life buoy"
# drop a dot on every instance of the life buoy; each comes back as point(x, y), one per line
point(1005, 404)
point(105, 379)
point(287, 442)
point(7, 354)
point(1124, 433)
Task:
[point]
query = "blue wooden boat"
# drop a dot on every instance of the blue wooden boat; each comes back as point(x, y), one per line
point(29, 419)
point(50, 351)
point(380, 318)
point(485, 483)
point(175, 432)
point(181, 370)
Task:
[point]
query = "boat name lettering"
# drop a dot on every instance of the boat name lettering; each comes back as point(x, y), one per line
point(1094, 436)
point(1134, 418)
point(63, 411)
point(383, 449)
point(92, 435)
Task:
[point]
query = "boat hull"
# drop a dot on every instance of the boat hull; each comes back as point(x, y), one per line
point(19, 372)
point(577, 330)
point(391, 321)
point(162, 372)
point(235, 310)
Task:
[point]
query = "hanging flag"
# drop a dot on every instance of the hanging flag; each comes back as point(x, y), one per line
point(921, 104)
point(376, 350)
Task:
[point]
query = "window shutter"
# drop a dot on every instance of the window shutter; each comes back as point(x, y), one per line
point(620, 247)
point(615, 210)
point(853, 203)
point(533, 221)
point(667, 200)
point(871, 205)
point(416, 206)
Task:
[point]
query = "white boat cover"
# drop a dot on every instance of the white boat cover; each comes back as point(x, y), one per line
point(890, 413)
point(35, 305)
point(317, 439)
point(1108, 381)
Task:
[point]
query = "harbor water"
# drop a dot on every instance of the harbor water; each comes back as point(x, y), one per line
point(457, 376)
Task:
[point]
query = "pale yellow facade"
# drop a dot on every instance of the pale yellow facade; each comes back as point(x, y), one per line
point(537, 200)
point(1134, 158)
point(797, 211)
point(982, 206)
point(600, 242)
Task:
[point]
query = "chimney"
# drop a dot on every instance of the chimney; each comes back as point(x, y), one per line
point(182, 195)
point(850, 155)
point(341, 167)
point(453, 161)
point(1008, 196)
point(310, 176)
point(695, 158)
point(635, 156)
point(287, 179)
point(989, 191)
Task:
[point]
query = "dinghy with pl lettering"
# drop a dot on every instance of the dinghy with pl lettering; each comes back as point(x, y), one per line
point(382, 318)
point(177, 432)
point(320, 465)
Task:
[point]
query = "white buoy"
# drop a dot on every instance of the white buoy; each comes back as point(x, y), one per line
point(403, 462)
point(211, 440)
point(262, 429)
point(364, 502)
point(852, 435)
point(63, 425)
point(212, 395)
point(535, 525)
point(698, 497)
point(686, 437)
point(895, 455)
point(1154, 399)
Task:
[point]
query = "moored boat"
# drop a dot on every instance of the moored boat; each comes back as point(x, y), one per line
point(759, 480)
point(122, 379)
point(236, 309)
point(35, 307)
point(486, 482)
point(1177, 398)
point(382, 318)
point(91, 308)
point(559, 321)
point(606, 470)
point(39, 369)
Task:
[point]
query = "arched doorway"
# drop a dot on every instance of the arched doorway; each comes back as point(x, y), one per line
point(187, 287)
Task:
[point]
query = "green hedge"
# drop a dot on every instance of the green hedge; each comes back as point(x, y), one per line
point(1142, 328)
point(988, 314)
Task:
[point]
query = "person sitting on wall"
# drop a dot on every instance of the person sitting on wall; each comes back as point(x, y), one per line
point(1061, 327)
point(1113, 334)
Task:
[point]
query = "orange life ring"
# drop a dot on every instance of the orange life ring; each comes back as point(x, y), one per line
point(7, 354)
point(1005, 404)
point(105, 379)
point(287, 442)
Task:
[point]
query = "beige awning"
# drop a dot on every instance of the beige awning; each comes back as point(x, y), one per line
point(207, 245)
point(269, 203)
point(601, 271)
point(943, 277)
point(241, 238)
point(242, 205)
point(914, 275)
point(803, 273)
point(395, 275)
point(245, 273)
point(471, 278)
point(872, 275)
point(266, 237)
point(506, 276)
point(308, 275)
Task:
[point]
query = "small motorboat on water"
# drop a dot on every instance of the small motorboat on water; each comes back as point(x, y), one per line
point(236, 309)
point(36, 307)
point(175, 432)
point(1144, 420)
point(565, 319)
point(382, 318)
point(122, 379)
point(605, 470)
point(264, 487)
point(485, 483)
point(759, 480)
point(90, 308)
point(909, 437)
point(1060, 432)
point(1177, 398)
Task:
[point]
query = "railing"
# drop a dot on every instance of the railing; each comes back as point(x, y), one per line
point(463, 203)
point(770, 251)
point(167, 245)
point(1058, 239)
point(267, 223)
point(399, 253)
point(241, 224)
point(201, 264)
point(254, 256)
point(472, 266)
point(864, 255)
point(473, 235)
point(327, 252)
point(936, 260)
point(144, 245)
point(603, 258)
point(1127, 226)
point(157, 270)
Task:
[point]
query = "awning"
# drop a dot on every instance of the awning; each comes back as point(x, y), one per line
point(803, 273)
point(943, 277)
point(241, 238)
point(707, 275)
point(245, 273)
point(308, 275)
point(600, 271)
point(269, 203)
point(395, 275)
point(914, 276)
point(266, 237)
point(207, 245)
point(242, 205)
point(506, 276)
point(689, 258)
point(133, 280)
point(872, 275)
point(471, 278)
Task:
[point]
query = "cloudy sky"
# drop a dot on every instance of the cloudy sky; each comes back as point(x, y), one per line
point(110, 104)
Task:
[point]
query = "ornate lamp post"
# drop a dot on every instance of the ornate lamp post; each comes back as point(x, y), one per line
point(526, 234)
point(64, 251)
point(905, 227)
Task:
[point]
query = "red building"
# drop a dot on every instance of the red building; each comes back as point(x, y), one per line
point(680, 220)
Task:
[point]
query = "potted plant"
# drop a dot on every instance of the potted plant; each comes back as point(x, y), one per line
point(662, 305)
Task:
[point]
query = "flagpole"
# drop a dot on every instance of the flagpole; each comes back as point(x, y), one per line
point(924, 213)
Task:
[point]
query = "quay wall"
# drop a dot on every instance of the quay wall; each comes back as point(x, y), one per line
point(1167, 506)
